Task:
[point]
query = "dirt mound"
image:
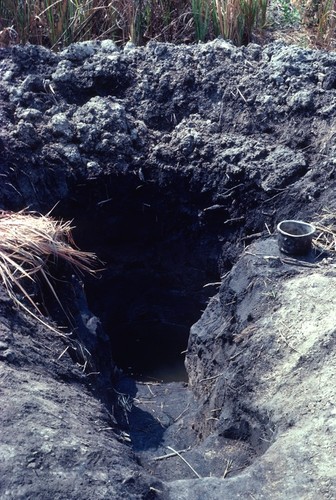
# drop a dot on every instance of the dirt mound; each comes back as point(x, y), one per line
point(172, 160)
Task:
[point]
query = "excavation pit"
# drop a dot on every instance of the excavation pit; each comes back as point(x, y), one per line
point(159, 248)
point(156, 258)
point(176, 163)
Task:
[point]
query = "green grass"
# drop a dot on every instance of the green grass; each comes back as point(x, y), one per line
point(201, 17)
point(57, 23)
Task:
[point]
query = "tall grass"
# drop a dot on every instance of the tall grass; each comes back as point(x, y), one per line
point(57, 23)
point(326, 22)
point(238, 18)
point(201, 15)
point(319, 18)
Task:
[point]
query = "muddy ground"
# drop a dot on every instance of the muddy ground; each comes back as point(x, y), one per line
point(176, 164)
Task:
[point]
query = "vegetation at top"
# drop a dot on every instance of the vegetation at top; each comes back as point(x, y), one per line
point(57, 23)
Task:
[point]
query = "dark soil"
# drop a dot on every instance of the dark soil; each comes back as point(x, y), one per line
point(171, 160)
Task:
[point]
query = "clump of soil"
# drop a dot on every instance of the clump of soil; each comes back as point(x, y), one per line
point(176, 163)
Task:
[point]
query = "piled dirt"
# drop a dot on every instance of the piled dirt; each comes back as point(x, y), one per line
point(172, 161)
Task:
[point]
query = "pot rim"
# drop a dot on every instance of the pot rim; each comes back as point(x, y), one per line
point(309, 226)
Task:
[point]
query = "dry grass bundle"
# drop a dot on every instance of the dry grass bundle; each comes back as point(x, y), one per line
point(326, 232)
point(28, 241)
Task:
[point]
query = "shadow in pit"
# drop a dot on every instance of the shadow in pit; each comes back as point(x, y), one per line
point(144, 430)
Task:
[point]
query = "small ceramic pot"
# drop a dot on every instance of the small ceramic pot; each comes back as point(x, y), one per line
point(295, 237)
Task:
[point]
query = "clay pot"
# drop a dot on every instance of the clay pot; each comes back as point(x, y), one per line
point(295, 237)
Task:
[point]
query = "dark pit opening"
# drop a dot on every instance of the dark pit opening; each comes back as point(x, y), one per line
point(157, 258)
